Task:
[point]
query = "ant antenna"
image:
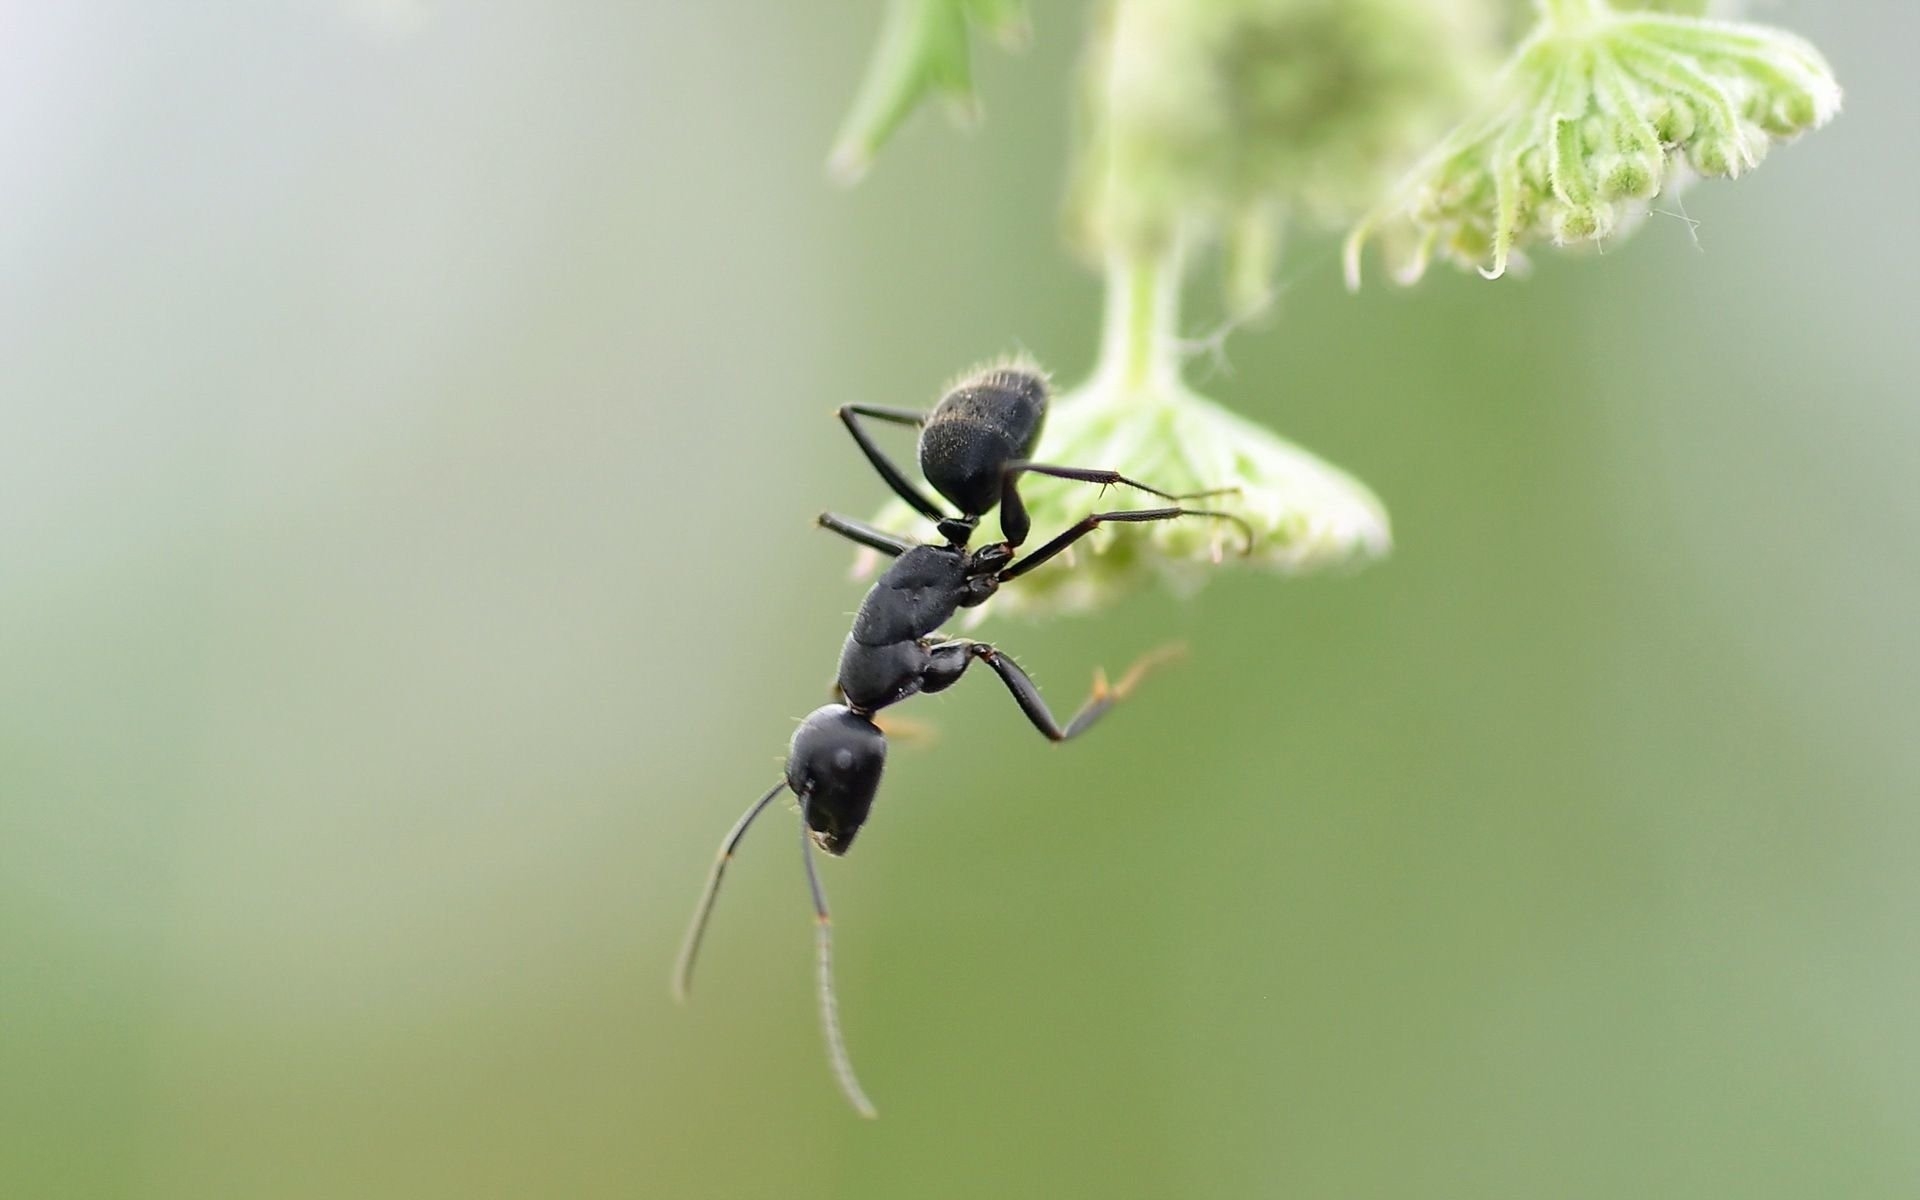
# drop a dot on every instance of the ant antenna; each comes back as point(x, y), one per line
point(690, 949)
point(829, 1009)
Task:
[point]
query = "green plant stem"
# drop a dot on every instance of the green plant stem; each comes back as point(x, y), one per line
point(1139, 344)
point(1567, 15)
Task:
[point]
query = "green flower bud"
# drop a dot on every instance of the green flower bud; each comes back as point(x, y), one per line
point(1582, 223)
point(1597, 113)
point(1634, 176)
point(1672, 120)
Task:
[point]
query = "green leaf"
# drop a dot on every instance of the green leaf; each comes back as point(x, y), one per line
point(923, 49)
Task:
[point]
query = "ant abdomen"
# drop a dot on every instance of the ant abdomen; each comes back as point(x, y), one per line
point(984, 422)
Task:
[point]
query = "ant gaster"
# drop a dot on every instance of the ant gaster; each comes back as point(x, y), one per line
point(973, 448)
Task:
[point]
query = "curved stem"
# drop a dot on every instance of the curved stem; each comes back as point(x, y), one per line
point(1139, 344)
point(1566, 15)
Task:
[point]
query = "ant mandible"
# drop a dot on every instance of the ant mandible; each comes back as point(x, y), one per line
point(974, 447)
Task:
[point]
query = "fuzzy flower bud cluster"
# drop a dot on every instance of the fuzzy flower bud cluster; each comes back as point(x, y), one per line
point(1305, 514)
point(1597, 113)
point(1225, 119)
point(1217, 122)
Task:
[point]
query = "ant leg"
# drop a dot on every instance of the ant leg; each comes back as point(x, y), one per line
point(859, 531)
point(1015, 524)
point(1104, 478)
point(850, 415)
point(829, 1008)
point(690, 949)
point(1093, 521)
point(946, 663)
point(1104, 696)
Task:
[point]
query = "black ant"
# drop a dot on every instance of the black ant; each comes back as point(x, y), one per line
point(974, 447)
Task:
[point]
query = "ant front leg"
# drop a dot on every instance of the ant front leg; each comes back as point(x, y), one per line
point(903, 487)
point(865, 534)
point(1027, 694)
point(1093, 521)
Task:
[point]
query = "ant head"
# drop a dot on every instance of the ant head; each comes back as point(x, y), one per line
point(834, 764)
point(958, 530)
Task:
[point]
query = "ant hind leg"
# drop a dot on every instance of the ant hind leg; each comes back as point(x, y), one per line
point(1103, 697)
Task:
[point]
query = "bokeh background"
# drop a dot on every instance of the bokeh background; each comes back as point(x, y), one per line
point(411, 421)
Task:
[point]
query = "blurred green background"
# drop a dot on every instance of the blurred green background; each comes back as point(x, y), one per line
point(412, 420)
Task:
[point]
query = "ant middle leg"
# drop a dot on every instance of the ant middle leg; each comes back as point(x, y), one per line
point(1093, 521)
point(903, 487)
point(1027, 694)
